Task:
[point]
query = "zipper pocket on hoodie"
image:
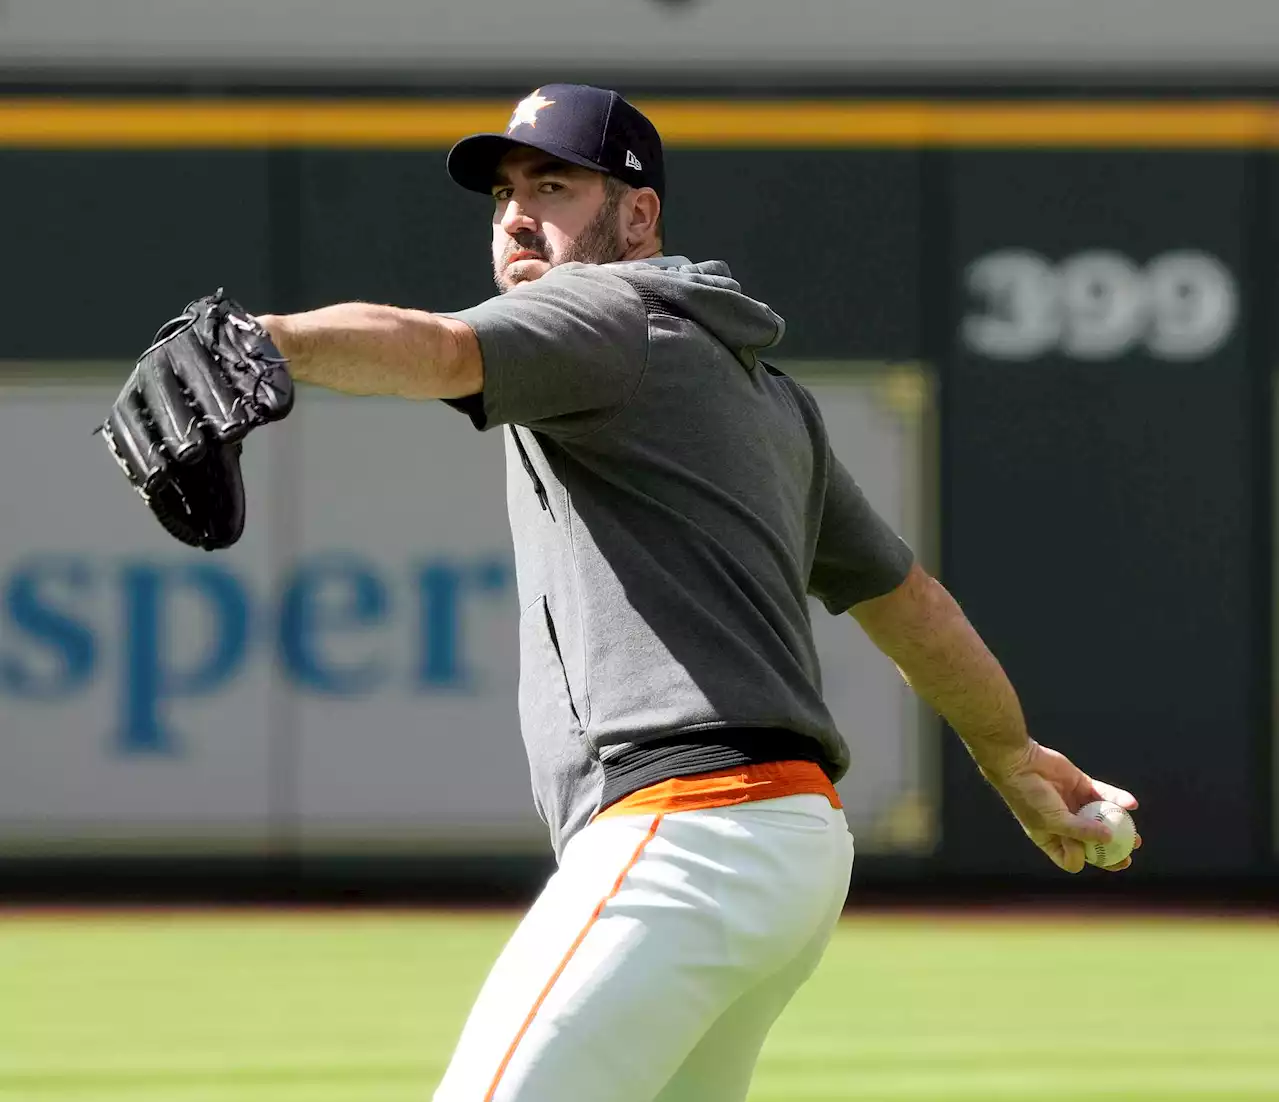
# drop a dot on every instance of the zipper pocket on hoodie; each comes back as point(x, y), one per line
point(538, 488)
point(564, 671)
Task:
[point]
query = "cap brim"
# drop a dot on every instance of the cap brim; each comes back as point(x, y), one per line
point(473, 162)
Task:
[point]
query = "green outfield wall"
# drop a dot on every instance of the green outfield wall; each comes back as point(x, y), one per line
point(1083, 291)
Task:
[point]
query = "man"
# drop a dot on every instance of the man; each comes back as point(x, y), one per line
point(672, 501)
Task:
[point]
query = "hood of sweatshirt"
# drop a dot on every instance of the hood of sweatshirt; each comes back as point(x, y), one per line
point(708, 294)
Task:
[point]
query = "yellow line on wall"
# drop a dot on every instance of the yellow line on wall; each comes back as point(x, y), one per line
point(1154, 125)
point(50, 123)
point(834, 123)
point(251, 123)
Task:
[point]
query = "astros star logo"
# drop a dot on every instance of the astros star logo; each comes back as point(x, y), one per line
point(526, 112)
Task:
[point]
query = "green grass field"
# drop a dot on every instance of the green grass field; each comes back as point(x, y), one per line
point(364, 1007)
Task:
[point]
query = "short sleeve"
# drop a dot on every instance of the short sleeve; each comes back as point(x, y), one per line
point(858, 556)
point(562, 354)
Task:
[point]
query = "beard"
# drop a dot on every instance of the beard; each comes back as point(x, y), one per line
point(598, 243)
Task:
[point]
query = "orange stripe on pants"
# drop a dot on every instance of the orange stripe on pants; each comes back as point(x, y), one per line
point(582, 936)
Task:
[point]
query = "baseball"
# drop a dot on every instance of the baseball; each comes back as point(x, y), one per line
point(1103, 854)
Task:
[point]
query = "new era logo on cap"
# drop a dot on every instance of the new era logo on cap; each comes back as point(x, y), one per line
point(592, 127)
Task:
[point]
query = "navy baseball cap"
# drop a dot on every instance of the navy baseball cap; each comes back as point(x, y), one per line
point(591, 127)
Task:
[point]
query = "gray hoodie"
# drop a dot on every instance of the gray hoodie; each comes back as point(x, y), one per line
point(672, 501)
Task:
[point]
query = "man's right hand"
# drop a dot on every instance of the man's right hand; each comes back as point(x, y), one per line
point(922, 629)
point(1044, 790)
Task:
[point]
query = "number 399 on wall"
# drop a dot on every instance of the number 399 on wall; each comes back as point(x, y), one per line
point(1098, 305)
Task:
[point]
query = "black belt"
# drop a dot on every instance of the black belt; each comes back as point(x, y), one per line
point(707, 751)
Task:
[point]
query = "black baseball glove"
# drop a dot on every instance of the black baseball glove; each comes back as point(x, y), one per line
point(210, 376)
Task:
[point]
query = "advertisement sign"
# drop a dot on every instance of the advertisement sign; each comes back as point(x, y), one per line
point(129, 704)
point(344, 679)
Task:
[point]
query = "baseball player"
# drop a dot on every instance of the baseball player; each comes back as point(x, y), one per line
point(673, 500)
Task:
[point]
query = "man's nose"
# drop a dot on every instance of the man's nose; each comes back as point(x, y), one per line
point(515, 219)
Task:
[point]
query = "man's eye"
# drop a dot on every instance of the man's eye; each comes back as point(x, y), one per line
point(550, 186)
point(502, 195)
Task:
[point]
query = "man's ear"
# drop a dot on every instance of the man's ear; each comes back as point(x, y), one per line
point(643, 210)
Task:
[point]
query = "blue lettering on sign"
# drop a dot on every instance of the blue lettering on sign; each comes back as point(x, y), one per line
point(149, 679)
point(333, 628)
point(442, 590)
point(31, 605)
point(325, 597)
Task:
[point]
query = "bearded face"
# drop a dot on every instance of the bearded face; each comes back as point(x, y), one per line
point(548, 213)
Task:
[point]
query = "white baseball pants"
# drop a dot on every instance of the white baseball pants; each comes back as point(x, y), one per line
point(658, 956)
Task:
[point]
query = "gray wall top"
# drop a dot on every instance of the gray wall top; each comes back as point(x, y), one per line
point(483, 39)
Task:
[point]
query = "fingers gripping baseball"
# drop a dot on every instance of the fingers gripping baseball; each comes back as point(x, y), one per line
point(1046, 793)
point(210, 376)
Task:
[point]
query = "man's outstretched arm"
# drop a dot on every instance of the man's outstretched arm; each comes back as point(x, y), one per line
point(362, 348)
point(923, 630)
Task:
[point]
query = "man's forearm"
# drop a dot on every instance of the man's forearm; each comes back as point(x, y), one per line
point(362, 348)
point(925, 632)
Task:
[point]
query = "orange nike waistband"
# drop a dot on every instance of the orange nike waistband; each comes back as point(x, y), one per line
point(727, 787)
